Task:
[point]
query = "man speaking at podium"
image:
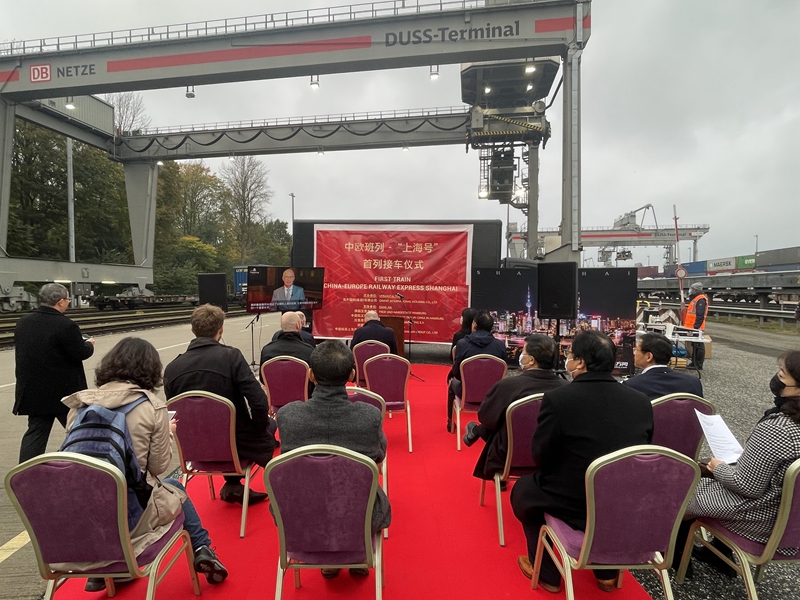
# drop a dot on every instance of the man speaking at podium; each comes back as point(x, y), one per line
point(289, 295)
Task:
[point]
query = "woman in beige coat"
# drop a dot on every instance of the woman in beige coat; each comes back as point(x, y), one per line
point(132, 369)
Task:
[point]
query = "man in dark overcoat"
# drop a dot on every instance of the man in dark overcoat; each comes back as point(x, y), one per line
point(210, 366)
point(578, 423)
point(374, 330)
point(536, 361)
point(652, 355)
point(49, 351)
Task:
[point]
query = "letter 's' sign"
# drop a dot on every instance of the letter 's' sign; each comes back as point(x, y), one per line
point(447, 34)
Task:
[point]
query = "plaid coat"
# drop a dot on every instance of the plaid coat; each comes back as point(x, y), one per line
point(745, 497)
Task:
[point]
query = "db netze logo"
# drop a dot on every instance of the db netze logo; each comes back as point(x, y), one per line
point(40, 73)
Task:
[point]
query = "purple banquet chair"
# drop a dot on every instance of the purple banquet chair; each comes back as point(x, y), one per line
point(785, 534)
point(478, 375)
point(362, 353)
point(74, 508)
point(357, 394)
point(206, 441)
point(285, 380)
point(522, 417)
point(675, 423)
point(635, 501)
point(322, 498)
point(387, 375)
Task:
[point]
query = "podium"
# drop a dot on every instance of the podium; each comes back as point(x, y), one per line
point(397, 325)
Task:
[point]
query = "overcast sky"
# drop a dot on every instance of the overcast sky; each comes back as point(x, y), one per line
point(684, 102)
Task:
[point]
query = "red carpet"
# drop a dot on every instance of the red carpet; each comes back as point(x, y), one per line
point(441, 545)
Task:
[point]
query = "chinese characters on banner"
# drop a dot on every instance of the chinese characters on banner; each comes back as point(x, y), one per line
point(366, 267)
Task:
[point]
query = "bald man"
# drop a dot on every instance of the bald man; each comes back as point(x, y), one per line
point(288, 342)
point(373, 329)
point(304, 333)
point(289, 296)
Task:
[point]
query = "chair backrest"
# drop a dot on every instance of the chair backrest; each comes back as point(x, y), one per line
point(357, 394)
point(285, 380)
point(478, 375)
point(363, 352)
point(786, 533)
point(206, 430)
point(522, 416)
point(627, 528)
point(74, 508)
point(387, 375)
point(675, 423)
point(322, 498)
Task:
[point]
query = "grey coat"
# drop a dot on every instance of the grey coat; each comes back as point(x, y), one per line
point(330, 418)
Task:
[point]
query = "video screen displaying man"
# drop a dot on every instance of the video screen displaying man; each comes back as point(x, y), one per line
point(284, 289)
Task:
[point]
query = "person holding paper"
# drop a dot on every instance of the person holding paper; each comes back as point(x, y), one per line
point(745, 496)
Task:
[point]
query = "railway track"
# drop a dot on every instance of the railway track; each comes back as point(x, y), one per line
point(94, 322)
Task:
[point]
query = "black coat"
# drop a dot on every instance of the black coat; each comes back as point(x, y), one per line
point(49, 352)
point(375, 331)
point(304, 335)
point(660, 381)
point(477, 342)
point(212, 367)
point(492, 414)
point(288, 343)
point(578, 423)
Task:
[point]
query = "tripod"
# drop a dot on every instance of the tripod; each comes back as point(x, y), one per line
point(252, 325)
point(410, 325)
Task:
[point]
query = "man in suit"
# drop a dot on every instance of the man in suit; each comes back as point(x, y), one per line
point(212, 367)
point(578, 423)
point(289, 295)
point(537, 361)
point(480, 341)
point(374, 330)
point(49, 351)
point(652, 354)
point(305, 335)
point(288, 342)
point(330, 418)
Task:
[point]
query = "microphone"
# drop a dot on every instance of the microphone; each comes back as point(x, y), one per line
point(399, 295)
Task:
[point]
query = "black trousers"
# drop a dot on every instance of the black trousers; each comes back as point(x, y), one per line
point(453, 390)
point(698, 354)
point(530, 504)
point(34, 442)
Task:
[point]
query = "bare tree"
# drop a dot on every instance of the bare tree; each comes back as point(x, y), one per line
point(249, 193)
point(129, 111)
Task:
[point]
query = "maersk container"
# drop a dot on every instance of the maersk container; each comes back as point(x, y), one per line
point(721, 265)
point(239, 280)
point(782, 256)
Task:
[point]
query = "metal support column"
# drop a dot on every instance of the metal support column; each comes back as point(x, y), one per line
point(7, 113)
point(71, 219)
point(141, 184)
point(533, 200)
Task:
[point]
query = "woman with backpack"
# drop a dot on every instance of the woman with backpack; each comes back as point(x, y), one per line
point(128, 375)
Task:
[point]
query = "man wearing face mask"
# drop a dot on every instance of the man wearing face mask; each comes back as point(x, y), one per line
point(536, 361)
point(578, 423)
point(695, 318)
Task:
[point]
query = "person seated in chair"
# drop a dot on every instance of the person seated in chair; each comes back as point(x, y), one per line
point(374, 330)
point(209, 366)
point(578, 423)
point(480, 341)
point(305, 335)
point(330, 418)
point(652, 355)
point(536, 361)
point(289, 341)
point(130, 370)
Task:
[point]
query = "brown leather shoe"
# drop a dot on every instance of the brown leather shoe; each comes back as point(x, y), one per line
point(524, 564)
point(607, 585)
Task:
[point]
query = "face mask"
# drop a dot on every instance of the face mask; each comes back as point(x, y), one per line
point(522, 366)
point(776, 386)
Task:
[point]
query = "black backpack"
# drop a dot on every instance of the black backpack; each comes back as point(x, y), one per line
point(103, 433)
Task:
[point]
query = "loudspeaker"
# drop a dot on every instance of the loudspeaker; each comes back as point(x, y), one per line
point(558, 290)
point(213, 289)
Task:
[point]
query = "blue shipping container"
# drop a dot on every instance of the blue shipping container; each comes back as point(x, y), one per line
point(695, 268)
point(239, 280)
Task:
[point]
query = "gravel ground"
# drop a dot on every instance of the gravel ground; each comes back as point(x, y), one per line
point(736, 381)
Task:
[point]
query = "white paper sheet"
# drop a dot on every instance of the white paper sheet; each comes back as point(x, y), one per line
point(721, 440)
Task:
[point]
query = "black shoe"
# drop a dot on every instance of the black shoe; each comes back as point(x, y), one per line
point(330, 573)
point(471, 436)
point(450, 427)
point(503, 486)
point(207, 563)
point(98, 584)
point(359, 572)
point(234, 493)
point(708, 557)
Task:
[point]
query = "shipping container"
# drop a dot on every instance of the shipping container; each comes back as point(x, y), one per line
point(744, 263)
point(771, 268)
point(669, 270)
point(721, 265)
point(695, 268)
point(782, 256)
point(239, 280)
point(642, 272)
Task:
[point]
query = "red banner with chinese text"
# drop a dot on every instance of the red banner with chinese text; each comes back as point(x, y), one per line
point(367, 266)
